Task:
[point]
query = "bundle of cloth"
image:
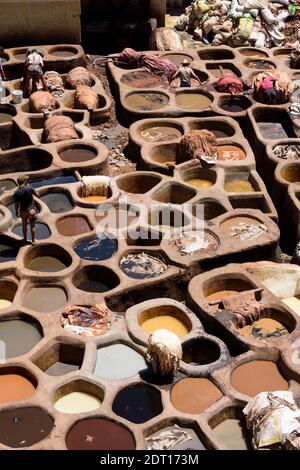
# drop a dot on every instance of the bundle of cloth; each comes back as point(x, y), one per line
point(95, 185)
point(260, 23)
point(274, 421)
point(90, 320)
point(279, 81)
point(164, 352)
point(229, 83)
point(153, 63)
point(42, 102)
point(54, 83)
point(244, 308)
point(198, 144)
point(59, 128)
point(85, 98)
point(78, 76)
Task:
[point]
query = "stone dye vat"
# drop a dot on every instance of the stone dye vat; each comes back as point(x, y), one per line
point(44, 299)
point(194, 396)
point(77, 402)
point(15, 387)
point(97, 248)
point(19, 336)
point(108, 364)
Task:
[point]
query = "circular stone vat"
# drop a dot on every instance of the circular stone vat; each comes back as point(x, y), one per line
point(194, 396)
point(42, 231)
point(77, 402)
point(260, 64)
point(138, 403)
point(291, 173)
point(257, 376)
point(230, 152)
point(24, 427)
point(45, 299)
point(15, 387)
point(47, 259)
point(161, 133)
point(146, 101)
point(8, 291)
point(200, 351)
point(221, 288)
point(138, 184)
point(19, 336)
point(194, 242)
point(97, 248)
point(250, 52)
point(73, 225)
point(7, 185)
point(63, 51)
point(244, 228)
point(57, 201)
point(193, 443)
point(177, 59)
point(77, 153)
point(234, 104)
point(96, 279)
point(150, 267)
point(193, 101)
point(142, 79)
point(168, 317)
point(108, 364)
point(99, 434)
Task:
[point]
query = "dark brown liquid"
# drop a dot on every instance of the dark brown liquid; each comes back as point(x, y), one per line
point(252, 53)
point(234, 106)
point(99, 434)
point(5, 117)
point(63, 53)
point(71, 226)
point(138, 403)
point(20, 56)
point(194, 395)
point(23, 427)
point(18, 336)
point(46, 264)
point(77, 155)
point(94, 286)
point(61, 368)
point(254, 377)
point(142, 79)
point(45, 299)
point(147, 101)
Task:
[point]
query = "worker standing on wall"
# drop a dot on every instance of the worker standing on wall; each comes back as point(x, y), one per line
point(33, 71)
point(25, 206)
point(185, 74)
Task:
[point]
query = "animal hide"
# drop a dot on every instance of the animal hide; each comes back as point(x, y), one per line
point(41, 102)
point(86, 98)
point(58, 128)
point(79, 76)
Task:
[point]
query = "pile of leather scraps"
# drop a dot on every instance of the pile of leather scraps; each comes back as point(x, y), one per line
point(194, 242)
point(199, 144)
point(153, 63)
point(243, 231)
point(91, 320)
point(142, 265)
point(274, 420)
point(259, 23)
point(78, 76)
point(287, 152)
point(42, 102)
point(243, 307)
point(167, 439)
point(86, 98)
point(59, 128)
point(54, 83)
point(284, 85)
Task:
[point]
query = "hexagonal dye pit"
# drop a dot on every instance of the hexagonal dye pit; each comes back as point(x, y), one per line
point(222, 288)
point(19, 336)
point(60, 359)
point(97, 248)
point(96, 279)
point(45, 299)
point(177, 58)
point(258, 376)
point(138, 403)
point(24, 427)
point(47, 258)
point(73, 225)
point(42, 231)
point(146, 101)
point(194, 395)
point(63, 52)
point(57, 201)
point(108, 364)
point(142, 266)
point(77, 402)
point(139, 183)
point(64, 179)
point(168, 317)
point(15, 387)
point(200, 351)
point(8, 291)
point(99, 434)
point(244, 228)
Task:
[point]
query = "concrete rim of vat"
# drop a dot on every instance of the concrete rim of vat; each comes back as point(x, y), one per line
point(135, 315)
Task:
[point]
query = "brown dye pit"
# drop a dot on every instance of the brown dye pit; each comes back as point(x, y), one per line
point(147, 101)
point(160, 133)
point(258, 376)
point(5, 117)
point(264, 328)
point(63, 53)
point(77, 155)
point(167, 322)
point(291, 174)
point(230, 152)
point(253, 53)
point(99, 434)
point(14, 387)
point(20, 55)
point(227, 224)
point(46, 264)
point(232, 433)
point(72, 226)
point(192, 101)
point(45, 299)
point(142, 79)
point(193, 396)
point(238, 186)
point(24, 427)
point(199, 182)
point(222, 294)
point(261, 65)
